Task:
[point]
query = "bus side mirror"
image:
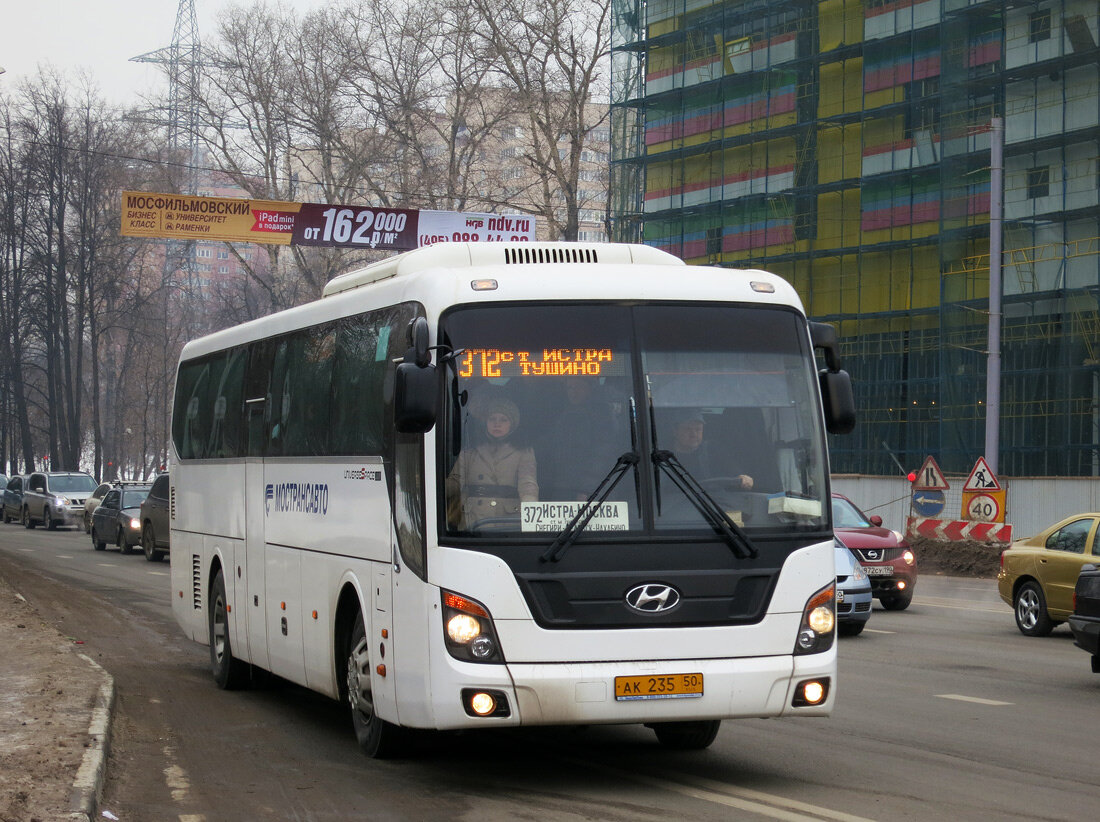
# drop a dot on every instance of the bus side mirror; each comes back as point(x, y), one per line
point(415, 398)
point(839, 401)
point(836, 385)
point(417, 334)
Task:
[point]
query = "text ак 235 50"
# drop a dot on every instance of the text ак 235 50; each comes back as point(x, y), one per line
point(658, 686)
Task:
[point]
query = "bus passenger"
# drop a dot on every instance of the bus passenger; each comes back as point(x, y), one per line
point(491, 479)
point(694, 453)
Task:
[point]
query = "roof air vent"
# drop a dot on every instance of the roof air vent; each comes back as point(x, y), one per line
point(521, 254)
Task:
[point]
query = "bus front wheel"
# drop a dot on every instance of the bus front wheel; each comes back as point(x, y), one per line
point(229, 673)
point(377, 738)
point(686, 736)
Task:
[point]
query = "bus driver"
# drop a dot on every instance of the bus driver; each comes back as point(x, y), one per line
point(493, 478)
point(694, 452)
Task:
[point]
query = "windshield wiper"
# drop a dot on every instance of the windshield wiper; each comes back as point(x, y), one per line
point(712, 512)
point(588, 509)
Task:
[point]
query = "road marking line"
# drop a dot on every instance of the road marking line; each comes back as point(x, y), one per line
point(158, 573)
point(877, 631)
point(107, 564)
point(63, 556)
point(975, 699)
point(28, 551)
point(958, 607)
point(722, 793)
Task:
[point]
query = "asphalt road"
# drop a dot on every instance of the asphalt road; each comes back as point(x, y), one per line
point(945, 712)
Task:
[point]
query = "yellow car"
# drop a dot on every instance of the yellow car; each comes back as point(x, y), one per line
point(1038, 573)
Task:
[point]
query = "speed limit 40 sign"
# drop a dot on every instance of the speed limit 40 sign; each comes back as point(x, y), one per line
point(984, 506)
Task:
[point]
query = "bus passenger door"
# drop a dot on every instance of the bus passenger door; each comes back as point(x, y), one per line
point(255, 600)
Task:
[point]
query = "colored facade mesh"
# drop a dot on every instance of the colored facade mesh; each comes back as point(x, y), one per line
point(845, 145)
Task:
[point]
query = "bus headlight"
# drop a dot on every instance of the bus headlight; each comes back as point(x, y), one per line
point(468, 630)
point(818, 627)
point(463, 629)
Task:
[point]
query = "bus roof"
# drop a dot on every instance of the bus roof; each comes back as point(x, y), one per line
point(447, 274)
point(476, 255)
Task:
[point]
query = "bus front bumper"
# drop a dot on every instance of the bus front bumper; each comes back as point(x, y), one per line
point(585, 693)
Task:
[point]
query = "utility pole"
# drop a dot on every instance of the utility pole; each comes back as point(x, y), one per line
point(993, 364)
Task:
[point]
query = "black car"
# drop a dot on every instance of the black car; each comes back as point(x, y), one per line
point(118, 517)
point(13, 499)
point(1085, 620)
point(154, 520)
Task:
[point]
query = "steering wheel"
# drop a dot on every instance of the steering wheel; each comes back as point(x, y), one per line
point(726, 484)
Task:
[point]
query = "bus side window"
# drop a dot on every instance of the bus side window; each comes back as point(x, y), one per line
point(277, 411)
point(256, 397)
point(225, 433)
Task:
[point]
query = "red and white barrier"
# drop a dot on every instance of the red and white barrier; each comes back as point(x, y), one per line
point(946, 530)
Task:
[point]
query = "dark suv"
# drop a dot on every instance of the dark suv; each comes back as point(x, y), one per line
point(154, 520)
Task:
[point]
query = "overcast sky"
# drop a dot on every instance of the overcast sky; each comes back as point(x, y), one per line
point(99, 36)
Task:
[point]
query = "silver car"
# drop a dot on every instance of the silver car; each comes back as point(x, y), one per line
point(853, 592)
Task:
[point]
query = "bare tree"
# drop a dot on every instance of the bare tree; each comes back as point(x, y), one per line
point(553, 55)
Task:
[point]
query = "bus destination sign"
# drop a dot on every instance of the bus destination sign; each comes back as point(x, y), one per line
point(489, 363)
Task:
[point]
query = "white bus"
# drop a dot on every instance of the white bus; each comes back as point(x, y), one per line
point(483, 485)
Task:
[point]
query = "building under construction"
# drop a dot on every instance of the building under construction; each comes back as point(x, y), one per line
point(846, 144)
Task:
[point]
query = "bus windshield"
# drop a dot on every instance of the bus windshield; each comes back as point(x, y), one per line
point(713, 408)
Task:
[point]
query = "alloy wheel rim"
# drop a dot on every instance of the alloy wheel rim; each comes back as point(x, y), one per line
point(1028, 609)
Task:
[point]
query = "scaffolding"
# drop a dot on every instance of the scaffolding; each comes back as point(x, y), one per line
point(845, 145)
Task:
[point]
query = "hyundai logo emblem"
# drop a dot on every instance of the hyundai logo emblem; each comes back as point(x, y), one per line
point(652, 598)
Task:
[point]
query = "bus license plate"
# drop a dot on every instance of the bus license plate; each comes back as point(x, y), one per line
point(658, 686)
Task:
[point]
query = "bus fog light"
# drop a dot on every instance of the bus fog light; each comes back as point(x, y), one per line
point(463, 628)
point(810, 692)
point(806, 639)
point(482, 647)
point(482, 704)
point(822, 619)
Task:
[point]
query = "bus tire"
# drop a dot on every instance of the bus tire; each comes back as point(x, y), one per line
point(686, 736)
point(377, 738)
point(229, 673)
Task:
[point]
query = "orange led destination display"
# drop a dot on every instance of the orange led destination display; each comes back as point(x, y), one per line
point(545, 362)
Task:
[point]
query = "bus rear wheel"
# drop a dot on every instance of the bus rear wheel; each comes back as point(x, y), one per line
point(686, 736)
point(229, 673)
point(378, 739)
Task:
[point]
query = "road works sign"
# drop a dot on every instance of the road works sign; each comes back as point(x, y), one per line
point(230, 219)
point(981, 478)
point(983, 498)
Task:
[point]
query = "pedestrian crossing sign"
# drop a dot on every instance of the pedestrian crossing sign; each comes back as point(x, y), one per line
point(981, 478)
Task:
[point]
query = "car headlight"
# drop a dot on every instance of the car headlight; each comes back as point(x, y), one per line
point(60, 500)
point(134, 524)
point(859, 573)
point(908, 557)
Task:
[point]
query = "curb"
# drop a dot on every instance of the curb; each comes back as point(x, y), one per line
point(88, 785)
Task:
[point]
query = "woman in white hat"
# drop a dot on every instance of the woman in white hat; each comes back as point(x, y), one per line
point(492, 479)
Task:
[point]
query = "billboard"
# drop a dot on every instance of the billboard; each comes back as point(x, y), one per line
point(230, 219)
